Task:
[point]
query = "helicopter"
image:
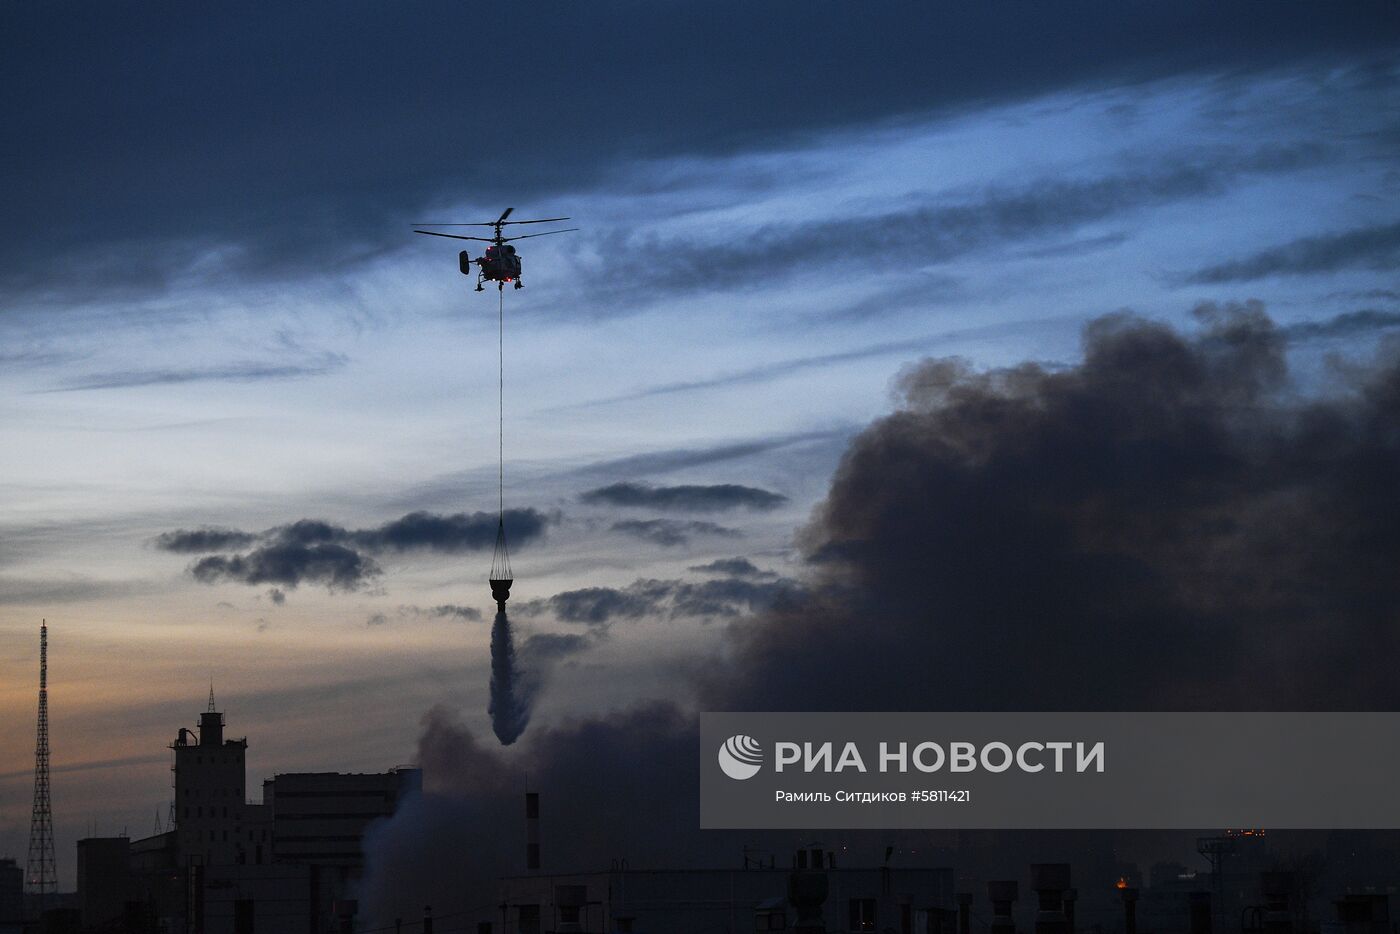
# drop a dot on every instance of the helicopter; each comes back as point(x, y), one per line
point(501, 263)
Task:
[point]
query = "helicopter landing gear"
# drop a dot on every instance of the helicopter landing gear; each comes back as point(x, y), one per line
point(519, 284)
point(479, 288)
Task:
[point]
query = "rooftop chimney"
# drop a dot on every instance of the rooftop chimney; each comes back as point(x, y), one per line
point(211, 728)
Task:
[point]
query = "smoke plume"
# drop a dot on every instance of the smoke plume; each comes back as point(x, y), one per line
point(623, 786)
point(1171, 523)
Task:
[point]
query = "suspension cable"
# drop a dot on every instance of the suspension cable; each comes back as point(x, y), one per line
point(501, 399)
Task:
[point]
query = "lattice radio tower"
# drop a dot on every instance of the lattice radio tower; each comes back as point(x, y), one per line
point(41, 874)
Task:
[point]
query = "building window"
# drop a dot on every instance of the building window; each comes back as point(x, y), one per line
point(211, 836)
point(529, 919)
point(862, 914)
point(199, 812)
point(187, 812)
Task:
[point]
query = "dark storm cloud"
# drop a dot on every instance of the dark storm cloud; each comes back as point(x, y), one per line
point(1165, 525)
point(277, 595)
point(599, 607)
point(453, 611)
point(734, 567)
point(1349, 324)
point(316, 551)
point(730, 596)
point(289, 564)
point(185, 151)
point(546, 647)
point(443, 611)
point(230, 373)
point(670, 532)
point(689, 498)
point(447, 534)
point(208, 538)
point(947, 226)
point(452, 534)
point(1375, 247)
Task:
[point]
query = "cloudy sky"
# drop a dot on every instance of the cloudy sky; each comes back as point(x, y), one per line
point(248, 419)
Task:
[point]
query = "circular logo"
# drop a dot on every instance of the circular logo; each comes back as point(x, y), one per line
point(740, 757)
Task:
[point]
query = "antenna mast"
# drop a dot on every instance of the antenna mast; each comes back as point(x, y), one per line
point(41, 873)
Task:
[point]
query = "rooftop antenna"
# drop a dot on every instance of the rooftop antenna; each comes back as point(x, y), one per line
point(41, 873)
point(212, 708)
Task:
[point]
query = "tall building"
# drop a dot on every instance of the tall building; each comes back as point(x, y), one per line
point(320, 817)
point(228, 865)
point(103, 883)
point(209, 793)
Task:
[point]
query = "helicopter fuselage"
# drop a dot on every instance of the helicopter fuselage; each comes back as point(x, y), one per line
point(501, 263)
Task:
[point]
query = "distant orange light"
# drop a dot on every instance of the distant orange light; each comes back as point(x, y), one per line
point(1122, 883)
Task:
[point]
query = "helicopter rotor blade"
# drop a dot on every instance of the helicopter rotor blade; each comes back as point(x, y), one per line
point(434, 233)
point(543, 220)
point(504, 215)
point(528, 236)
